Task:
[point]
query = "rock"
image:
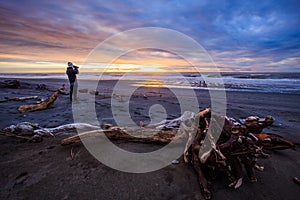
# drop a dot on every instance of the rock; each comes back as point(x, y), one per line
point(83, 90)
point(21, 178)
point(10, 84)
point(296, 180)
point(94, 92)
point(175, 162)
point(41, 87)
point(106, 126)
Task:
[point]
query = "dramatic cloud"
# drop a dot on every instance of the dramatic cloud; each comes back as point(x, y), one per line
point(239, 35)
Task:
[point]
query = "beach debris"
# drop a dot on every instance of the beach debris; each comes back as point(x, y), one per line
point(21, 178)
point(150, 134)
point(41, 106)
point(141, 122)
point(259, 167)
point(187, 118)
point(270, 141)
point(34, 133)
point(159, 133)
point(63, 90)
point(41, 87)
point(85, 90)
point(10, 84)
point(20, 99)
point(79, 137)
point(236, 184)
point(296, 180)
point(175, 162)
point(239, 144)
point(8, 134)
point(72, 154)
point(118, 97)
point(94, 92)
point(255, 126)
point(27, 128)
point(127, 134)
point(23, 128)
point(106, 126)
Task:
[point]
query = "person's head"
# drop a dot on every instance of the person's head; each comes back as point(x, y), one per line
point(70, 64)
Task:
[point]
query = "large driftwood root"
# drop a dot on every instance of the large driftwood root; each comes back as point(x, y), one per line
point(41, 106)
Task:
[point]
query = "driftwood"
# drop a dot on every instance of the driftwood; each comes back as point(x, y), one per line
point(296, 180)
point(5, 133)
point(41, 106)
point(63, 90)
point(27, 128)
point(21, 99)
point(273, 142)
point(23, 128)
point(143, 135)
point(33, 132)
point(160, 133)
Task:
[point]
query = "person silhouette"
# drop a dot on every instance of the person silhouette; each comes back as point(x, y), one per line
point(72, 71)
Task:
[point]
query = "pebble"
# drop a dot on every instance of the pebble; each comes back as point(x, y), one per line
point(296, 180)
point(175, 162)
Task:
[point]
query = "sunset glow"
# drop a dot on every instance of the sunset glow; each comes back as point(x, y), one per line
point(42, 36)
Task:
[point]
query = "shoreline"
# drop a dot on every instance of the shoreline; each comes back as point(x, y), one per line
point(282, 83)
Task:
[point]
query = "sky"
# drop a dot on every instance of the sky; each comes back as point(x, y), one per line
point(239, 36)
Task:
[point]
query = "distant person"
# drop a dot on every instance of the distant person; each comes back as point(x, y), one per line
point(72, 70)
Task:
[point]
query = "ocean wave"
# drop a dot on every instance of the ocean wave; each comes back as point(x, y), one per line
point(288, 83)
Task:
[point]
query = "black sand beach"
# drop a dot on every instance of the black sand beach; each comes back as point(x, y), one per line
point(45, 170)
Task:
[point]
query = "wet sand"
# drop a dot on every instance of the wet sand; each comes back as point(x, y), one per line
point(46, 171)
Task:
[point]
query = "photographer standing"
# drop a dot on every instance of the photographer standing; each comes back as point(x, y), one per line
point(72, 70)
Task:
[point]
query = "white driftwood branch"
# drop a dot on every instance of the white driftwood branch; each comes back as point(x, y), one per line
point(21, 99)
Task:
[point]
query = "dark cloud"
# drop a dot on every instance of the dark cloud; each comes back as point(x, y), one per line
point(237, 34)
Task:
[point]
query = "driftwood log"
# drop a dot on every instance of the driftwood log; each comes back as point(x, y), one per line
point(41, 106)
point(160, 133)
point(27, 128)
point(143, 135)
point(21, 99)
point(9, 134)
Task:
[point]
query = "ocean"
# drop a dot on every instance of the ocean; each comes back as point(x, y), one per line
point(286, 83)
